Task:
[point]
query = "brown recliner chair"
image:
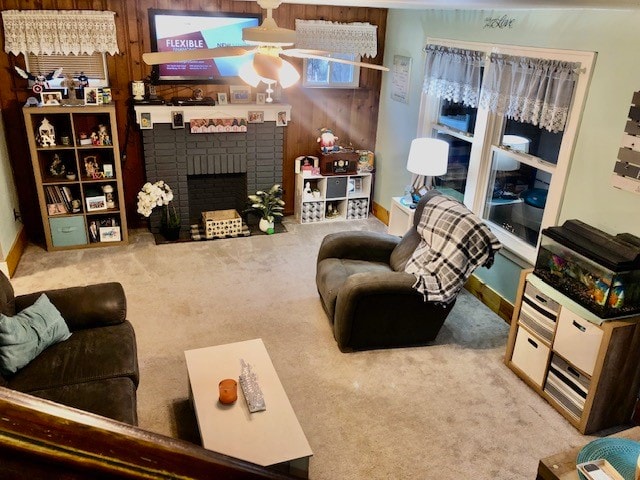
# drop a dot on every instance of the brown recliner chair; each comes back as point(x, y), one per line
point(367, 294)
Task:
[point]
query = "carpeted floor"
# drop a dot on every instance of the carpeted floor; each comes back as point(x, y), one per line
point(450, 410)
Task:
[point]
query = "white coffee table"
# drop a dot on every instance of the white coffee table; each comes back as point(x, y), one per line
point(273, 436)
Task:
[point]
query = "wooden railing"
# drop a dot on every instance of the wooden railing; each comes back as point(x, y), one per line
point(42, 439)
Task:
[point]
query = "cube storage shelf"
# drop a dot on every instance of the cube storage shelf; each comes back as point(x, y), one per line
point(335, 197)
point(85, 209)
point(587, 368)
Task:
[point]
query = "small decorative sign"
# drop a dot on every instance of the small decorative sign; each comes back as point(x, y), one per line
point(400, 78)
point(218, 125)
point(499, 22)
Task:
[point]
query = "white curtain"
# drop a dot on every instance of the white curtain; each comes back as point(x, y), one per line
point(530, 90)
point(49, 32)
point(355, 38)
point(453, 74)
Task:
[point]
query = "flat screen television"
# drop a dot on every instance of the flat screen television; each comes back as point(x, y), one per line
point(174, 30)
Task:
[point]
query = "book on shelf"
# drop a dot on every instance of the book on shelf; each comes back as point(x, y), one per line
point(56, 204)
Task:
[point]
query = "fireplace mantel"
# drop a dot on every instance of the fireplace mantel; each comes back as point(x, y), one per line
point(162, 113)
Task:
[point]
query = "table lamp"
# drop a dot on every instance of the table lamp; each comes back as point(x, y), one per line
point(428, 158)
point(503, 163)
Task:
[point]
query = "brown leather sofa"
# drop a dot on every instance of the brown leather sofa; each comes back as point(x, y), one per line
point(368, 296)
point(96, 369)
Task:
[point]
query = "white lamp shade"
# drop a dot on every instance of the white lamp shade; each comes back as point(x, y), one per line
point(248, 74)
point(428, 157)
point(504, 163)
point(288, 74)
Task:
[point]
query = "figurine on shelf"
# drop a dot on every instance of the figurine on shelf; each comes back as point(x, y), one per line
point(57, 168)
point(94, 138)
point(327, 140)
point(41, 82)
point(46, 136)
point(83, 81)
point(91, 166)
point(70, 84)
point(103, 135)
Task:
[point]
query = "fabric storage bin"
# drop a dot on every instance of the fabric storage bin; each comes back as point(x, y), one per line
point(530, 355)
point(336, 187)
point(68, 231)
point(577, 340)
point(539, 312)
point(567, 386)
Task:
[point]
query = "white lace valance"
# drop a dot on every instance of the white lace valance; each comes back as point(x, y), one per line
point(530, 90)
point(49, 32)
point(357, 38)
point(453, 74)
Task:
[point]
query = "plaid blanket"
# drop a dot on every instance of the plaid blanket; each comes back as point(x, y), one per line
point(454, 243)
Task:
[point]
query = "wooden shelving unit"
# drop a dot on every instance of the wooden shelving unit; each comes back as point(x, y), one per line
point(586, 368)
point(85, 210)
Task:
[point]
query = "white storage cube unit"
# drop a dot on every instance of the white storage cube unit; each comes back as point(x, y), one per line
point(332, 197)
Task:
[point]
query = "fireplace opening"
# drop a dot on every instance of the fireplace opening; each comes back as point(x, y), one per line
point(216, 192)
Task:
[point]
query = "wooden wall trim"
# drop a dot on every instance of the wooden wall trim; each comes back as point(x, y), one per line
point(16, 251)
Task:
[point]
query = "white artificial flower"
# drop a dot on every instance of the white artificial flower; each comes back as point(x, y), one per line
point(153, 195)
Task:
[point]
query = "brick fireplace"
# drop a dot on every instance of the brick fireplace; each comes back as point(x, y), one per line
point(212, 171)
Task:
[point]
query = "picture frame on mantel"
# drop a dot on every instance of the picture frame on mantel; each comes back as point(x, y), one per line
point(239, 94)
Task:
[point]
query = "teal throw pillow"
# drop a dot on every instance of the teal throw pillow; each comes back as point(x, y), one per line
point(24, 336)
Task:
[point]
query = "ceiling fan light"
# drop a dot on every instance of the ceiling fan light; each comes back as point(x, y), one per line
point(248, 74)
point(288, 75)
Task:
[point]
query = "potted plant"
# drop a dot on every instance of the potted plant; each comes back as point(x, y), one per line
point(159, 194)
point(268, 205)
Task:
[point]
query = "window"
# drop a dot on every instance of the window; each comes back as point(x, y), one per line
point(511, 173)
point(94, 66)
point(325, 74)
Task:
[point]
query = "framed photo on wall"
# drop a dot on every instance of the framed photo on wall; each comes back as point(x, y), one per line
point(281, 120)
point(145, 121)
point(255, 116)
point(177, 119)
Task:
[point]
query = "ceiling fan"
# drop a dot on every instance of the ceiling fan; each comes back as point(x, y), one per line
point(267, 43)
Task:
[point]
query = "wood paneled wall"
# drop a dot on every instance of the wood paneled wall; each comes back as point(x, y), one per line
point(352, 114)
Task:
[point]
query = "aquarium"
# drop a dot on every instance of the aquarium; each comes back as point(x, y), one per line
point(597, 270)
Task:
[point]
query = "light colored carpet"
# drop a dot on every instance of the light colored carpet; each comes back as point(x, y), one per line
point(447, 411)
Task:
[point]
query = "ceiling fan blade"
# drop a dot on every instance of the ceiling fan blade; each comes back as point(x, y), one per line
point(301, 53)
point(156, 58)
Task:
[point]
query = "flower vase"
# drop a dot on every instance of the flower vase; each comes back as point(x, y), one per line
point(266, 226)
point(170, 223)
